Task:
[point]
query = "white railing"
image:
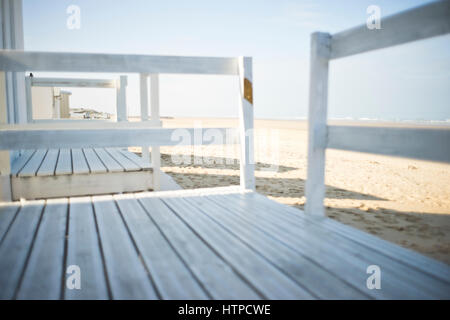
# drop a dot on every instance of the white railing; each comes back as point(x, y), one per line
point(430, 144)
point(118, 84)
point(13, 137)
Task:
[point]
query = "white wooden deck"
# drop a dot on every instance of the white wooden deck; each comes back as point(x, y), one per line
point(45, 173)
point(217, 243)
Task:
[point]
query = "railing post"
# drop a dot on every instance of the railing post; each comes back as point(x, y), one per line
point(317, 123)
point(154, 105)
point(247, 165)
point(144, 110)
point(5, 164)
point(121, 96)
point(28, 96)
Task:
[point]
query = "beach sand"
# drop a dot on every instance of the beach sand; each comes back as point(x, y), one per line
point(401, 200)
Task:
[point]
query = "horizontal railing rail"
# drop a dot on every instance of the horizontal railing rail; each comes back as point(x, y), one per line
point(418, 143)
point(411, 25)
point(118, 84)
point(12, 138)
point(73, 82)
point(11, 60)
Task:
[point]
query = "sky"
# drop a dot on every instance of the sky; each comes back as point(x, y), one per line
point(406, 82)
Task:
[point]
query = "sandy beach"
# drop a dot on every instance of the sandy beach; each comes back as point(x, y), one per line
point(401, 200)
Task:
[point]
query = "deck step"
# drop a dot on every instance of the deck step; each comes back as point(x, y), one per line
point(49, 173)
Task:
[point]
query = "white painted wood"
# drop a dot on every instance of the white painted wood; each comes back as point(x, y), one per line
point(5, 188)
point(205, 264)
point(126, 163)
point(94, 163)
point(247, 162)
point(83, 250)
point(41, 187)
point(144, 95)
point(404, 282)
point(76, 122)
point(44, 270)
point(33, 164)
point(21, 161)
point(29, 99)
point(48, 166)
point(317, 122)
point(128, 278)
point(413, 259)
point(155, 155)
point(158, 254)
point(429, 20)
point(111, 164)
point(155, 116)
point(145, 154)
point(11, 60)
point(247, 263)
point(64, 165)
point(11, 31)
point(8, 211)
point(121, 95)
point(220, 243)
point(418, 143)
point(154, 96)
point(80, 124)
point(322, 283)
point(12, 138)
point(143, 165)
point(156, 164)
point(71, 82)
point(16, 245)
point(79, 163)
point(168, 183)
point(5, 158)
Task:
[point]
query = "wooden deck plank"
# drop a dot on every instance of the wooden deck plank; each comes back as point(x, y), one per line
point(33, 164)
point(158, 254)
point(418, 261)
point(80, 165)
point(317, 280)
point(16, 245)
point(8, 212)
point(145, 165)
point(44, 271)
point(210, 243)
point(413, 283)
point(21, 161)
point(110, 164)
point(267, 279)
point(209, 268)
point(126, 163)
point(127, 276)
point(94, 163)
point(313, 244)
point(83, 250)
point(48, 166)
point(413, 259)
point(64, 165)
